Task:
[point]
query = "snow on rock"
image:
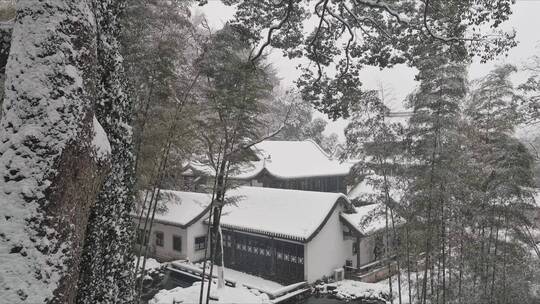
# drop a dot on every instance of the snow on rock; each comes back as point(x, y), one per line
point(99, 141)
point(43, 112)
point(190, 295)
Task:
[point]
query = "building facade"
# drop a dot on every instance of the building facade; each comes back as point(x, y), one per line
point(282, 235)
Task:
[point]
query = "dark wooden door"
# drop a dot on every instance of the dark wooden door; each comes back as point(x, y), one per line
point(268, 258)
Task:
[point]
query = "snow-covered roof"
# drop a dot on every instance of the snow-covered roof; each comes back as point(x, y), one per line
point(180, 208)
point(290, 214)
point(287, 160)
point(369, 219)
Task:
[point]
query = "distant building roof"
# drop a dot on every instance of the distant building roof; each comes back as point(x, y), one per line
point(369, 219)
point(287, 160)
point(289, 214)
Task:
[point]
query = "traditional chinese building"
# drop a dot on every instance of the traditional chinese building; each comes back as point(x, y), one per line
point(291, 221)
point(279, 234)
point(299, 165)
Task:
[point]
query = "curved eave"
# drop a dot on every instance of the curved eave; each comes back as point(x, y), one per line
point(262, 170)
point(266, 233)
point(347, 223)
point(341, 199)
point(288, 177)
point(180, 225)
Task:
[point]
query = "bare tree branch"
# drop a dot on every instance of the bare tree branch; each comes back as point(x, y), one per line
point(383, 5)
point(272, 29)
point(441, 38)
point(351, 38)
point(321, 19)
point(359, 20)
point(276, 132)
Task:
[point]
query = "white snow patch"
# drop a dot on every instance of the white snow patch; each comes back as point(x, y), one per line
point(242, 277)
point(100, 142)
point(73, 72)
point(151, 264)
point(189, 295)
point(349, 289)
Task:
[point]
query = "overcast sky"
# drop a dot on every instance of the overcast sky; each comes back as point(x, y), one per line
point(525, 20)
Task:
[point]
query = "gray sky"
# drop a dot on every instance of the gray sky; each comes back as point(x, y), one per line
point(525, 20)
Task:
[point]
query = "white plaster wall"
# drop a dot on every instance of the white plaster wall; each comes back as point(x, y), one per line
point(328, 250)
point(167, 253)
point(366, 250)
point(197, 229)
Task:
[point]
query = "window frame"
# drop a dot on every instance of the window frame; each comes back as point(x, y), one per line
point(160, 241)
point(197, 245)
point(174, 237)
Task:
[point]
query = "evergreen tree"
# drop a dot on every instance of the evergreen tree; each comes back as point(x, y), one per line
point(504, 173)
point(288, 104)
point(435, 152)
point(379, 144)
point(229, 121)
point(531, 89)
point(160, 44)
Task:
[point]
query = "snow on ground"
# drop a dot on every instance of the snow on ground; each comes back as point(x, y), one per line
point(189, 295)
point(404, 287)
point(241, 277)
point(349, 289)
point(150, 266)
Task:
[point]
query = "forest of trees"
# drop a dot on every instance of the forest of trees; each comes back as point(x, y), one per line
point(105, 100)
point(466, 185)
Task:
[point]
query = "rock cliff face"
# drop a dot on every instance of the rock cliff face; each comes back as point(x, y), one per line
point(106, 268)
point(5, 44)
point(50, 175)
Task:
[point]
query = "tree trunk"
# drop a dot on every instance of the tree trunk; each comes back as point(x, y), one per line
point(53, 152)
point(408, 262)
point(106, 275)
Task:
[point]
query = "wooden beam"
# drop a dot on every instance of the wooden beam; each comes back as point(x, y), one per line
point(358, 239)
